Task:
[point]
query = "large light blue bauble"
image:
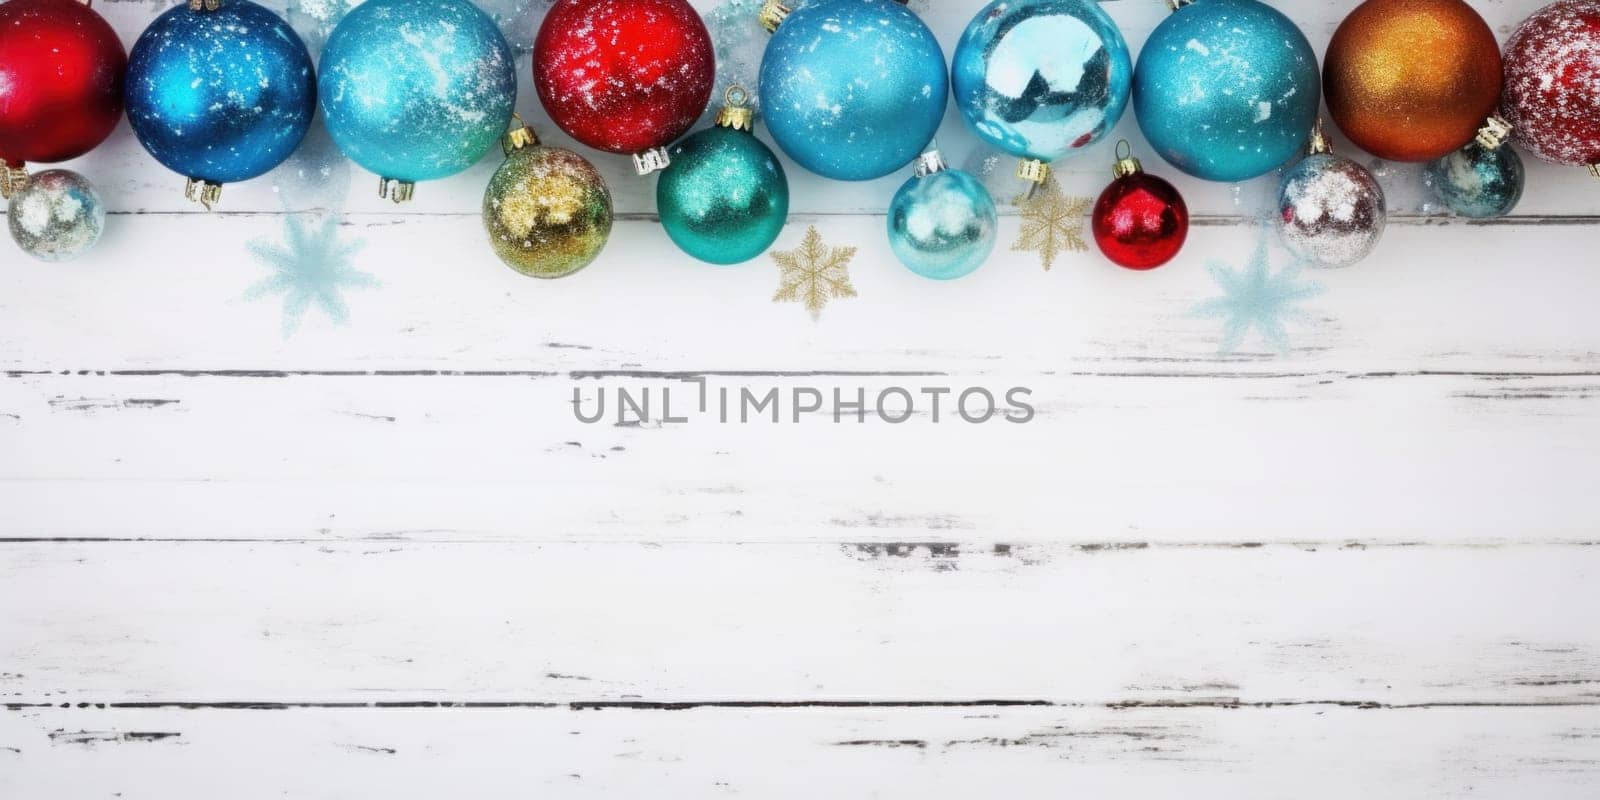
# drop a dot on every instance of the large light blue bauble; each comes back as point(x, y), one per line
point(416, 89)
point(853, 89)
point(1041, 79)
point(942, 225)
point(220, 96)
point(1227, 90)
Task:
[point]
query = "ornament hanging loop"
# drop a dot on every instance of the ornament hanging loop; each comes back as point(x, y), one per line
point(734, 113)
point(12, 179)
point(1319, 142)
point(204, 5)
point(1033, 170)
point(649, 161)
point(928, 163)
point(1494, 133)
point(1125, 164)
point(518, 137)
point(202, 191)
point(396, 190)
point(772, 15)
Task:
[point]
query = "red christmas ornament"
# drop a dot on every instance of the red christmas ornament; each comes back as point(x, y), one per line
point(61, 69)
point(1140, 220)
point(1552, 69)
point(624, 76)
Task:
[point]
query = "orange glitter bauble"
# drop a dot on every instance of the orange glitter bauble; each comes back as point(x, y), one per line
point(1412, 80)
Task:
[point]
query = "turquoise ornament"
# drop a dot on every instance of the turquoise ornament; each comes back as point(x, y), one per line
point(724, 198)
point(220, 95)
point(1041, 79)
point(942, 222)
point(1477, 181)
point(415, 90)
point(851, 89)
point(1226, 90)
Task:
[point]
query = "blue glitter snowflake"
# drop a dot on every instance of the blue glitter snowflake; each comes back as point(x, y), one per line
point(311, 266)
point(1254, 297)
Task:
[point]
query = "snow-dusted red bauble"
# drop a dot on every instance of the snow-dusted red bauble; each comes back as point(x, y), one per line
point(625, 76)
point(1552, 86)
point(1140, 220)
point(61, 70)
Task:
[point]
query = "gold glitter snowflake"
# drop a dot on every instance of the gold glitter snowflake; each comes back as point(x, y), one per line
point(814, 273)
point(1051, 222)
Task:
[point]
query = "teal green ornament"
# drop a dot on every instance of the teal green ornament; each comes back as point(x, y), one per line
point(1477, 181)
point(415, 90)
point(724, 198)
point(1226, 90)
point(942, 221)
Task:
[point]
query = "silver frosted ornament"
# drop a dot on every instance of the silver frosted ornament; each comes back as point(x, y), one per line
point(57, 216)
point(1331, 211)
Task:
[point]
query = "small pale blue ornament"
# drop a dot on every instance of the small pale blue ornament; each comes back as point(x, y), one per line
point(1477, 181)
point(852, 89)
point(1226, 90)
point(1041, 79)
point(942, 222)
point(415, 90)
point(221, 95)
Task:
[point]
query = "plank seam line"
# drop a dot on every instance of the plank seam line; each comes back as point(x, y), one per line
point(687, 375)
point(690, 705)
point(945, 549)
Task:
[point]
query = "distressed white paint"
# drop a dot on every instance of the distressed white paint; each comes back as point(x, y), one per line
point(384, 559)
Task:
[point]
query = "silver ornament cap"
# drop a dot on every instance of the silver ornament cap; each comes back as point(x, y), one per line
point(57, 216)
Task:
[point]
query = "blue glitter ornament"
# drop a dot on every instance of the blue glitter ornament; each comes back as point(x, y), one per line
point(1477, 181)
point(942, 221)
point(220, 95)
point(1041, 79)
point(1226, 90)
point(853, 89)
point(415, 90)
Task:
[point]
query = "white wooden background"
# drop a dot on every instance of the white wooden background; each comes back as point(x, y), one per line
point(381, 559)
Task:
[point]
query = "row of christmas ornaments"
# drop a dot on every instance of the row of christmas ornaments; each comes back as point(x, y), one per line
point(414, 90)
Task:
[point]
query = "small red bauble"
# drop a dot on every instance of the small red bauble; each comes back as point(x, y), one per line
point(1140, 220)
point(61, 70)
point(623, 76)
point(1552, 69)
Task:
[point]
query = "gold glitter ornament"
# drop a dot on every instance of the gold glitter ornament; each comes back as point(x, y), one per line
point(547, 211)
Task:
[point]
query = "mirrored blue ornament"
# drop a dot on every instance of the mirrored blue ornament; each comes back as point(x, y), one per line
point(942, 222)
point(1477, 181)
point(853, 89)
point(220, 95)
point(1041, 79)
point(1226, 90)
point(415, 90)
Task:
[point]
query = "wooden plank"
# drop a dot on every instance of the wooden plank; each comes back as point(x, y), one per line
point(131, 181)
point(405, 622)
point(1020, 753)
point(1112, 457)
point(170, 295)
